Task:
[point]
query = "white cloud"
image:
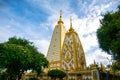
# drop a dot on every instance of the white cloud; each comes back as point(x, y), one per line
point(42, 45)
point(99, 57)
point(4, 34)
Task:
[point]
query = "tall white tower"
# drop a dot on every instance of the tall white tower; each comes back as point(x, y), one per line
point(55, 48)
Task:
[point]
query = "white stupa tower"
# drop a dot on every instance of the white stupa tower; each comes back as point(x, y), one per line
point(55, 47)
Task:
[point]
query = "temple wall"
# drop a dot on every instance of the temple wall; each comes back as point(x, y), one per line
point(87, 75)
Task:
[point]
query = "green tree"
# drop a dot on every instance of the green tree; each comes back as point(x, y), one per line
point(56, 74)
point(3, 76)
point(109, 34)
point(115, 66)
point(18, 55)
point(33, 79)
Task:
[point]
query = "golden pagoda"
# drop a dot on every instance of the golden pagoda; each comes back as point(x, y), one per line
point(73, 58)
point(65, 51)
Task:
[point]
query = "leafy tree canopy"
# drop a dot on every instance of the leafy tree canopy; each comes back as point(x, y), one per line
point(109, 34)
point(115, 66)
point(18, 55)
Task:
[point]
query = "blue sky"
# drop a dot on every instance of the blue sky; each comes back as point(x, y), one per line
point(35, 20)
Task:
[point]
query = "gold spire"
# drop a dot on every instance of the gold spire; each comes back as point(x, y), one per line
point(60, 15)
point(60, 19)
point(71, 28)
point(102, 67)
point(70, 22)
point(94, 62)
point(94, 65)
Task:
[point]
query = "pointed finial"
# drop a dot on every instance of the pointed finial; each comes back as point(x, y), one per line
point(102, 67)
point(94, 66)
point(71, 28)
point(60, 19)
point(94, 62)
point(61, 14)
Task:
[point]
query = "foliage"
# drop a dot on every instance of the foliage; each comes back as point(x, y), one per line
point(18, 55)
point(115, 66)
point(3, 76)
point(109, 34)
point(33, 79)
point(56, 74)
